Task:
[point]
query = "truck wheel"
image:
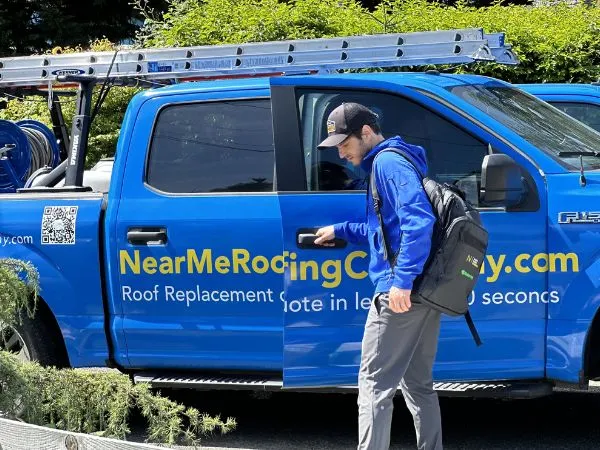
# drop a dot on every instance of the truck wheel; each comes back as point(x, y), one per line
point(33, 340)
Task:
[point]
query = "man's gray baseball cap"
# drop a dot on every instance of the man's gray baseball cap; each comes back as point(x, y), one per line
point(344, 120)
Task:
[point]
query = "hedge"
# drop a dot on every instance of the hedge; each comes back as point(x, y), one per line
point(19, 289)
point(99, 403)
point(78, 400)
point(557, 43)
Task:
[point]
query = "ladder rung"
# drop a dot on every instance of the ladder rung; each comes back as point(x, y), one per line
point(292, 56)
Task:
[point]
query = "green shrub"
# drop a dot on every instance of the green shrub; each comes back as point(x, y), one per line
point(79, 400)
point(190, 22)
point(559, 43)
point(99, 403)
point(19, 288)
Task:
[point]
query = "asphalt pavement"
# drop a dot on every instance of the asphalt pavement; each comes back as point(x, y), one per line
point(290, 421)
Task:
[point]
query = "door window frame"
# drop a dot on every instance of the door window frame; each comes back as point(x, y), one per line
point(148, 149)
point(292, 150)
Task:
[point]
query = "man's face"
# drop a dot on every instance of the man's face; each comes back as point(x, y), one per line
point(353, 149)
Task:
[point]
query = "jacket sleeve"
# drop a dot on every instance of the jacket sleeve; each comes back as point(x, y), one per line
point(355, 233)
point(416, 222)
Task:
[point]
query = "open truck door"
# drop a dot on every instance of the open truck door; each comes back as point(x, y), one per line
point(328, 291)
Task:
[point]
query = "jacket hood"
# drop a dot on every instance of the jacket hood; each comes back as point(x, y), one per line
point(416, 152)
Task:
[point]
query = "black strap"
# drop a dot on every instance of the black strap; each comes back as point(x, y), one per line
point(377, 207)
point(472, 328)
point(407, 157)
point(377, 201)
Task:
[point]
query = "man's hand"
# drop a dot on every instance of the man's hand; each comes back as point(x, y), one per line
point(399, 300)
point(326, 235)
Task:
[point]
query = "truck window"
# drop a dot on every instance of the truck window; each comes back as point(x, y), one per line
point(587, 113)
point(454, 156)
point(224, 146)
point(553, 132)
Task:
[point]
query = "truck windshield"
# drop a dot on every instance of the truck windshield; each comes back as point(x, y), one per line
point(544, 126)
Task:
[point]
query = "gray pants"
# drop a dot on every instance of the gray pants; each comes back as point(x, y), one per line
point(398, 350)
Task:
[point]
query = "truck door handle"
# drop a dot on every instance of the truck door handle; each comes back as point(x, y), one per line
point(305, 238)
point(144, 236)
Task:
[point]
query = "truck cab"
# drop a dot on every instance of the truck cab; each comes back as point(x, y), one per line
point(198, 272)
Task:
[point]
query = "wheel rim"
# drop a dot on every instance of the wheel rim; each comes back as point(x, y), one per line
point(12, 342)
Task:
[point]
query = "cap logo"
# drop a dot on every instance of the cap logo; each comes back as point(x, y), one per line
point(330, 126)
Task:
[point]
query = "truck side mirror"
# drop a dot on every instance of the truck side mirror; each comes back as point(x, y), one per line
point(501, 181)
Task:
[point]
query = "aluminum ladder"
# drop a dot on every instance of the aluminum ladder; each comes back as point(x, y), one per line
point(461, 46)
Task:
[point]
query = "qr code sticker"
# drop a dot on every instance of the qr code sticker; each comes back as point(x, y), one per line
point(58, 224)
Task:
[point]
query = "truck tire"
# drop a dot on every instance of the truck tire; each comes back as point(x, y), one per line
point(35, 340)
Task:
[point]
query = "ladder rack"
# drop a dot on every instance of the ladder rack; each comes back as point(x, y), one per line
point(461, 46)
point(46, 74)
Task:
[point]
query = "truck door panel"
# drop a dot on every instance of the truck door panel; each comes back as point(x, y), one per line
point(198, 237)
point(322, 339)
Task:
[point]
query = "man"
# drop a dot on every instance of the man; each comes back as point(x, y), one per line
point(400, 337)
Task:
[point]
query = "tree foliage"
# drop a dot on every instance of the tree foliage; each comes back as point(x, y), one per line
point(555, 43)
point(189, 22)
point(19, 289)
point(35, 26)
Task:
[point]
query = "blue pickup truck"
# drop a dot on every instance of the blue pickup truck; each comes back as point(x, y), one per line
point(182, 263)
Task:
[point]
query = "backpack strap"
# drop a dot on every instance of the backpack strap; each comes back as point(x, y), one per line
point(377, 200)
point(377, 207)
point(472, 328)
point(407, 157)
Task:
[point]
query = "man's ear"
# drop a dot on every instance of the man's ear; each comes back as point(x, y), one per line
point(366, 131)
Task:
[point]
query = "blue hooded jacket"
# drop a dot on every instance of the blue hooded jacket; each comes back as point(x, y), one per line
point(407, 215)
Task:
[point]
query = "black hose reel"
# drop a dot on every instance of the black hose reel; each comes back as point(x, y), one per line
point(27, 147)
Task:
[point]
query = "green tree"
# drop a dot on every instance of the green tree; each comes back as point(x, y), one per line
point(211, 22)
point(35, 26)
point(558, 43)
point(18, 30)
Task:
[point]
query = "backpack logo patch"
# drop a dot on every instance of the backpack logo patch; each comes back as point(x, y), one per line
point(466, 274)
point(473, 261)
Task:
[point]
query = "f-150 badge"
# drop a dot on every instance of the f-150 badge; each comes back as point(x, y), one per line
point(579, 217)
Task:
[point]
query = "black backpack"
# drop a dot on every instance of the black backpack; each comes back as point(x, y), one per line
point(459, 243)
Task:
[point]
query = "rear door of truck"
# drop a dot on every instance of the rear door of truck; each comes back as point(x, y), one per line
point(195, 253)
point(327, 289)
